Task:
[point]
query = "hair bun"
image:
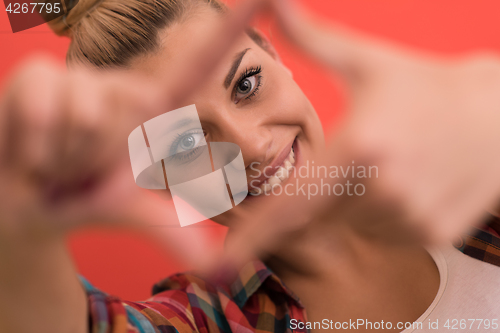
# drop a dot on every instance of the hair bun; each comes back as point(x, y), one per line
point(75, 11)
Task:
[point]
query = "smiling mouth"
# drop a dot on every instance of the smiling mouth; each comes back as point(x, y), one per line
point(280, 176)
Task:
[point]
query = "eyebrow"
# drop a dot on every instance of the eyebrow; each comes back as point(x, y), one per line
point(234, 68)
point(172, 129)
point(181, 123)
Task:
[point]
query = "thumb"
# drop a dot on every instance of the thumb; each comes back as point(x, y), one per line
point(118, 201)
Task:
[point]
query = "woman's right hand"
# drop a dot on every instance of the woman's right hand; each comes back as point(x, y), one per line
point(63, 137)
point(64, 163)
point(63, 151)
point(64, 159)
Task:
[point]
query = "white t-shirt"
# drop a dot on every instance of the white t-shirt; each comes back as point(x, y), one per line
point(468, 299)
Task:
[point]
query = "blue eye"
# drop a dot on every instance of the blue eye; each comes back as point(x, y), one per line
point(186, 144)
point(247, 85)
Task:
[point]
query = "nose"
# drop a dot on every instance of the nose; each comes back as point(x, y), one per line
point(252, 136)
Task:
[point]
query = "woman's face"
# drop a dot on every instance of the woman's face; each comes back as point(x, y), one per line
point(251, 100)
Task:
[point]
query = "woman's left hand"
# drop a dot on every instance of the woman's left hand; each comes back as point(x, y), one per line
point(430, 125)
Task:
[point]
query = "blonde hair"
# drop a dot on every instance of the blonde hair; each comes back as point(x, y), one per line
point(107, 33)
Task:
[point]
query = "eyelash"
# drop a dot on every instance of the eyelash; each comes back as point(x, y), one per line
point(249, 72)
point(176, 142)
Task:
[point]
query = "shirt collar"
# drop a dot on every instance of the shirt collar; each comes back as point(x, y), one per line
point(254, 276)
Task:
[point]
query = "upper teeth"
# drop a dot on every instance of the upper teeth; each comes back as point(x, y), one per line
point(281, 175)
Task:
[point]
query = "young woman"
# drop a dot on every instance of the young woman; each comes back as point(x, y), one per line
point(329, 275)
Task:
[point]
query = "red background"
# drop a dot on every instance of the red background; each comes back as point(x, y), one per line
point(127, 265)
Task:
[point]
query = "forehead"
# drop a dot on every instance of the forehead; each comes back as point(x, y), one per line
point(176, 41)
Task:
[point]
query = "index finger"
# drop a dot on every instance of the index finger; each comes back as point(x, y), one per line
point(352, 55)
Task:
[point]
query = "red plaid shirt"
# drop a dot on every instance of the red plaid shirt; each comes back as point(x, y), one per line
point(257, 301)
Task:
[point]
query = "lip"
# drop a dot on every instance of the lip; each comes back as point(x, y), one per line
point(271, 169)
